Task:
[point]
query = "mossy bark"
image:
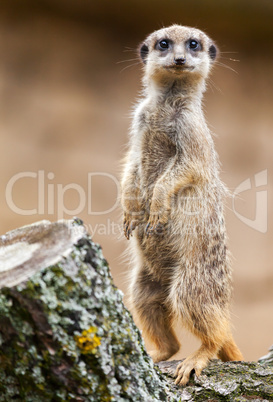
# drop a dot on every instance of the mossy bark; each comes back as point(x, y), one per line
point(231, 381)
point(65, 334)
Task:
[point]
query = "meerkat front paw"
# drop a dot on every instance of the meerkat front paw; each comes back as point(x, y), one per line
point(154, 226)
point(130, 222)
point(157, 220)
point(184, 369)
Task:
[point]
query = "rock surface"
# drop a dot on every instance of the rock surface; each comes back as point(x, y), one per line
point(65, 334)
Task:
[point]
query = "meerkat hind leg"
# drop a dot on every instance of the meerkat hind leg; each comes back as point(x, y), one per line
point(199, 359)
point(147, 300)
point(160, 332)
point(230, 351)
point(216, 339)
point(195, 362)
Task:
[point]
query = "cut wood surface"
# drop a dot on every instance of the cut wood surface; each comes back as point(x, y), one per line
point(66, 336)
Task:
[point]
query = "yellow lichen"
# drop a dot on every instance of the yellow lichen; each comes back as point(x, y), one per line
point(88, 341)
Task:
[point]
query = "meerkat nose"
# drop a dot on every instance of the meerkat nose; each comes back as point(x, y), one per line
point(179, 61)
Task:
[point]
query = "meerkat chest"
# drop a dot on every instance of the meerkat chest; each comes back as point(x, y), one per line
point(159, 144)
point(164, 119)
point(156, 153)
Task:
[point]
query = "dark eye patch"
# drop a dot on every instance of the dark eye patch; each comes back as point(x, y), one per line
point(163, 44)
point(194, 45)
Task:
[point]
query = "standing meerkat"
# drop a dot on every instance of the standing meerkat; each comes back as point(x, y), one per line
point(172, 199)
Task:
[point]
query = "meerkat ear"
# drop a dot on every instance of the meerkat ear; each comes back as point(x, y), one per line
point(144, 50)
point(213, 51)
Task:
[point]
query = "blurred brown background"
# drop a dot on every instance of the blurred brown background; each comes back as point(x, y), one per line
point(66, 93)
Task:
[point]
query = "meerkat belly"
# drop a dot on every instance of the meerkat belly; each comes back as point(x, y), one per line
point(160, 256)
point(163, 252)
point(184, 238)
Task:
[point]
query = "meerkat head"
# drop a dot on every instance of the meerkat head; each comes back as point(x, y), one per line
point(178, 53)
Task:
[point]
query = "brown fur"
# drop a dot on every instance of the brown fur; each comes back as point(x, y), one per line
point(172, 199)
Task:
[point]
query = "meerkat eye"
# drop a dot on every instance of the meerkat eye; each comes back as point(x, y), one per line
point(194, 44)
point(163, 44)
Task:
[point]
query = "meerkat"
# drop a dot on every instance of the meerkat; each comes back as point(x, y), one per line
point(172, 198)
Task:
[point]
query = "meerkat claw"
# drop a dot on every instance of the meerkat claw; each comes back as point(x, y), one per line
point(152, 227)
point(125, 229)
point(183, 375)
point(132, 227)
point(129, 227)
point(147, 229)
